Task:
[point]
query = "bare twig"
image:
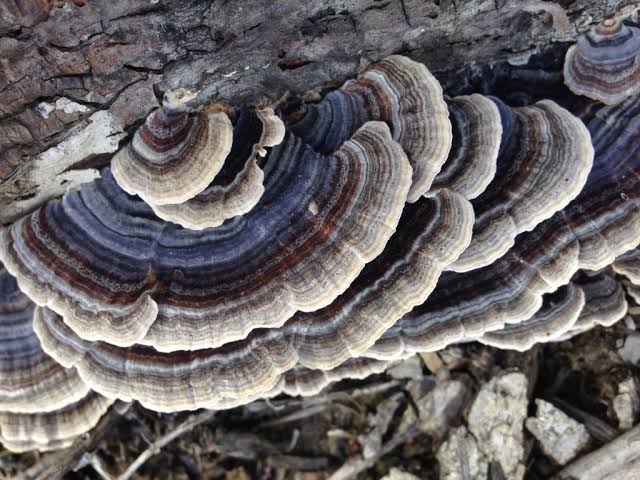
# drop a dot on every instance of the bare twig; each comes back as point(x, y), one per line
point(153, 449)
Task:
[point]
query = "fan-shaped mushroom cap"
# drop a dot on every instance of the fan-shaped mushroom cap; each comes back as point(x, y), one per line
point(118, 268)
point(239, 184)
point(545, 158)
point(600, 224)
point(30, 380)
point(432, 233)
point(175, 155)
point(52, 430)
point(477, 132)
point(605, 63)
point(396, 90)
point(558, 314)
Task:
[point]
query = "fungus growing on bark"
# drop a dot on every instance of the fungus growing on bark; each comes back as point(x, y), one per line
point(396, 90)
point(240, 183)
point(605, 63)
point(432, 234)
point(545, 158)
point(42, 404)
point(176, 154)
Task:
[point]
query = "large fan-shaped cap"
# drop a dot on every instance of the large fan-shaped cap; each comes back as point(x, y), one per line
point(396, 90)
point(605, 63)
point(434, 231)
point(118, 267)
point(545, 158)
point(175, 155)
point(240, 183)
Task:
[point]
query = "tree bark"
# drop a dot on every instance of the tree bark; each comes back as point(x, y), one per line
point(75, 81)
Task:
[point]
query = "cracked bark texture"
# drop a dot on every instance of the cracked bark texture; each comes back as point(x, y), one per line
point(75, 81)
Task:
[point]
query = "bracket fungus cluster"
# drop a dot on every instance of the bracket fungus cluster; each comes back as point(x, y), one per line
point(229, 255)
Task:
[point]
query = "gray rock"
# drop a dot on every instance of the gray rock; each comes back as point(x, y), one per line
point(496, 420)
point(460, 458)
point(627, 403)
point(560, 436)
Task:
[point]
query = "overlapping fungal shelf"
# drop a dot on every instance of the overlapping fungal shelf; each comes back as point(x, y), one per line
point(231, 254)
point(43, 405)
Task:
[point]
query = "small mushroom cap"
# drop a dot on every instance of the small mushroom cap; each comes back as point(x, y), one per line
point(301, 381)
point(30, 380)
point(605, 302)
point(558, 314)
point(605, 63)
point(628, 264)
point(120, 268)
point(396, 90)
point(597, 226)
point(174, 156)
point(228, 197)
point(477, 132)
point(434, 231)
point(545, 158)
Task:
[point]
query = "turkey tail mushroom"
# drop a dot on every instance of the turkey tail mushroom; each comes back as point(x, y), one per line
point(434, 231)
point(477, 132)
point(605, 63)
point(559, 312)
point(597, 226)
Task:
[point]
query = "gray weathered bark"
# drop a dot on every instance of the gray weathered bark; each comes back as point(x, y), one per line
point(76, 80)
